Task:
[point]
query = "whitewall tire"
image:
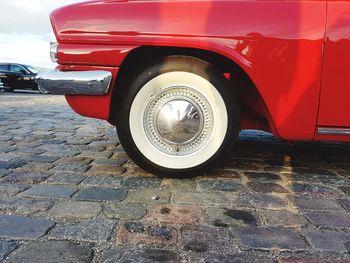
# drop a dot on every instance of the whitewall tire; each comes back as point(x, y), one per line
point(178, 117)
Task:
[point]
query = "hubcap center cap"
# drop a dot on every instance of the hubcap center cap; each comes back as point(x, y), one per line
point(178, 121)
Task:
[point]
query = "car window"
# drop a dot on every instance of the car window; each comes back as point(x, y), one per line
point(33, 70)
point(16, 69)
point(4, 68)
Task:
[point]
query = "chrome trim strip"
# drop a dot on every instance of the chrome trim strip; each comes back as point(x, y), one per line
point(56, 82)
point(333, 131)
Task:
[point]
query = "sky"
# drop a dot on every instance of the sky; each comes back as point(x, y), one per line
point(25, 31)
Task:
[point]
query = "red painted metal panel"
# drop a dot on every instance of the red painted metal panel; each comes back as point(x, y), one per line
point(91, 106)
point(335, 95)
point(278, 44)
point(97, 55)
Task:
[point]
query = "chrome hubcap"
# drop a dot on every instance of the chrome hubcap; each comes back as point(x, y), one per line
point(178, 120)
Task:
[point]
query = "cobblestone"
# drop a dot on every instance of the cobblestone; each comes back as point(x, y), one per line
point(6, 157)
point(179, 184)
point(262, 176)
point(107, 170)
point(101, 194)
point(71, 168)
point(136, 233)
point(41, 159)
point(6, 247)
point(345, 189)
point(315, 203)
point(148, 196)
point(306, 188)
point(12, 164)
point(125, 211)
point(10, 190)
point(329, 219)
point(18, 227)
point(269, 239)
point(266, 188)
point(53, 252)
point(74, 160)
point(199, 198)
point(76, 210)
point(69, 193)
point(111, 162)
point(35, 168)
point(233, 258)
point(329, 241)
point(221, 185)
point(205, 239)
point(176, 214)
point(105, 181)
point(260, 201)
point(144, 255)
point(3, 173)
point(66, 178)
point(224, 217)
point(312, 260)
point(141, 182)
point(345, 203)
point(24, 206)
point(283, 219)
point(50, 191)
point(95, 230)
point(25, 178)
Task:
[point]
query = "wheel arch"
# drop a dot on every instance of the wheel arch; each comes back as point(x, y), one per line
point(254, 112)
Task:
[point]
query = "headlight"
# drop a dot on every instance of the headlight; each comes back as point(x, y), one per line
point(53, 52)
point(53, 48)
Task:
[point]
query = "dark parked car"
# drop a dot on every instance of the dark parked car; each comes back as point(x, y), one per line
point(17, 76)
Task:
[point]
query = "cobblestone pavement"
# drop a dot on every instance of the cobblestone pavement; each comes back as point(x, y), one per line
point(69, 193)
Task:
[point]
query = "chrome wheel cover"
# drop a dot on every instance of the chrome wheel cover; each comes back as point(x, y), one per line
point(167, 97)
point(178, 120)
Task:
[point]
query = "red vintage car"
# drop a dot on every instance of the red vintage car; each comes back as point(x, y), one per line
point(180, 79)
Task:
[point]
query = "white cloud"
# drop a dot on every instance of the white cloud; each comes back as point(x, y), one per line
point(25, 29)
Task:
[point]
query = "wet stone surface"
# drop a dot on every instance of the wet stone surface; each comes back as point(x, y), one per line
point(69, 193)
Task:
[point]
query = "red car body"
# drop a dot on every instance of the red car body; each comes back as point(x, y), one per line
point(295, 54)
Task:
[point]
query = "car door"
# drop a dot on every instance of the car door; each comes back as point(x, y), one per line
point(335, 92)
point(19, 76)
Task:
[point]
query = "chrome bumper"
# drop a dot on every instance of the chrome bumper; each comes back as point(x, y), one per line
point(74, 82)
